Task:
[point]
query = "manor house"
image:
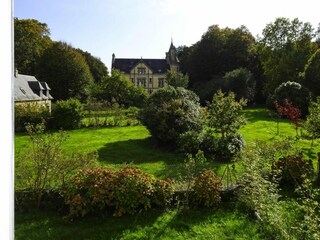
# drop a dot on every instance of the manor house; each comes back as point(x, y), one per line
point(148, 73)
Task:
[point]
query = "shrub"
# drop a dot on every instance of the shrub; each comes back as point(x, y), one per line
point(241, 82)
point(163, 192)
point(126, 191)
point(298, 95)
point(88, 191)
point(67, 114)
point(225, 114)
point(206, 189)
point(31, 113)
point(133, 191)
point(170, 112)
point(312, 123)
point(220, 138)
point(293, 169)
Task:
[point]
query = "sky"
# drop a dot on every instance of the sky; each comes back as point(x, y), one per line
point(145, 28)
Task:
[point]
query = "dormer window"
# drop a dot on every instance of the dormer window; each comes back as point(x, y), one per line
point(141, 70)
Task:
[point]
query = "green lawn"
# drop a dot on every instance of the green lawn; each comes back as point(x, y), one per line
point(133, 144)
point(225, 222)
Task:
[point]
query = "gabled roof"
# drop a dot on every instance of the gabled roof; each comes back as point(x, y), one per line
point(27, 88)
point(125, 65)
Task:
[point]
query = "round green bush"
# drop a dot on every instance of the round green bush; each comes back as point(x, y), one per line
point(67, 114)
point(170, 112)
point(298, 95)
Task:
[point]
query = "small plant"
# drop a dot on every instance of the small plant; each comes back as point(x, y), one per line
point(293, 169)
point(45, 165)
point(312, 123)
point(290, 111)
point(206, 189)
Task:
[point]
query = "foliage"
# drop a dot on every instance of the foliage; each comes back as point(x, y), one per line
point(177, 79)
point(309, 201)
point(220, 139)
point(97, 68)
point(224, 114)
point(67, 114)
point(206, 90)
point(293, 169)
point(241, 82)
point(89, 190)
point(260, 193)
point(206, 189)
point(220, 50)
point(66, 72)
point(127, 191)
point(31, 38)
point(294, 92)
point(192, 167)
point(119, 89)
point(312, 123)
point(170, 112)
point(31, 113)
point(290, 111)
point(311, 74)
point(284, 50)
point(104, 114)
point(45, 163)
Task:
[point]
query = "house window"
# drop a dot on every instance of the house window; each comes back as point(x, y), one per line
point(150, 91)
point(132, 80)
point(141, 71)
point(150, 80)
point(161, 82)
point(141, 82)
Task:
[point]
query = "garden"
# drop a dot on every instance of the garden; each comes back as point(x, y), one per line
point(222, 171)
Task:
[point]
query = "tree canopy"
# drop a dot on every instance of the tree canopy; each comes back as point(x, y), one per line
point(311, 74)
point(284, 50)
point(31, 38)
point(97, 68)
point(66, 72)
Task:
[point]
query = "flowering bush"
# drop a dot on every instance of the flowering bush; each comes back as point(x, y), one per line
point(206, 189)
point(125, 191)
point(89, 190)
point(293, 169)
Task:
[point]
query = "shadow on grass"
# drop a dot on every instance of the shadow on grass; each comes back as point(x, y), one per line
point(151, 224)
point(136, 152)
point(260, 114)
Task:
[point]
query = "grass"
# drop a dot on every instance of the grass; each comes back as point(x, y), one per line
point(133, 145)
point(226, 222)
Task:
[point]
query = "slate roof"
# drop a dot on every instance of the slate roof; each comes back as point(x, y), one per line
point(159, 66)
point(27, 88)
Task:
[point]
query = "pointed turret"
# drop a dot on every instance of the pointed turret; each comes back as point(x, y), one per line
point(171, 57)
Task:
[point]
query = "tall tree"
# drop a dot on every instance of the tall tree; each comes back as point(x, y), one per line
point(220, 50)
point(284, 49)
point(31, 38)
point(66, 72)
point(97, 68)
point(311, 74)
point(118, 88)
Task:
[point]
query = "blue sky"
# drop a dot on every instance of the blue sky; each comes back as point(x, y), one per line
point(144, 28)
